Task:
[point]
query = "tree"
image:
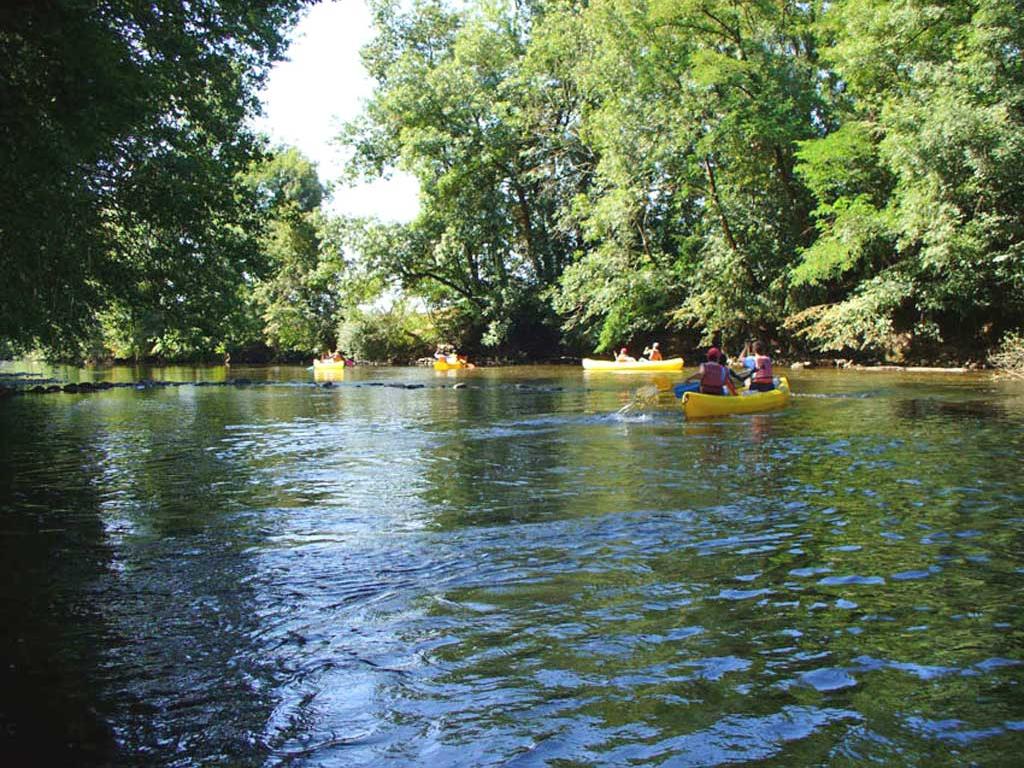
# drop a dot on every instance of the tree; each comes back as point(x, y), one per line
point(458, 108)
point(123, 134)
point(694, 108)
point(921, 192)
point(299, 298)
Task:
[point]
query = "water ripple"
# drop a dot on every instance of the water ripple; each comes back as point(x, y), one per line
point(510, 576)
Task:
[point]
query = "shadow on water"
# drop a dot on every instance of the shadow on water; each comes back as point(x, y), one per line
point(917, 408)
point(53, 553)
point(127, 552)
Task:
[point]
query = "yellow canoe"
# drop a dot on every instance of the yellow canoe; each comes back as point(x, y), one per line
point(444, 365)
point(698, 406)
point(328, 364)
point(640, 366)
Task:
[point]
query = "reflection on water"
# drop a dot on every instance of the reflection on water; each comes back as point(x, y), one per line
point(511, 572)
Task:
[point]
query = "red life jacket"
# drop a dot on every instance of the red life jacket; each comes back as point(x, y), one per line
point(763, 370)
point(712, 378)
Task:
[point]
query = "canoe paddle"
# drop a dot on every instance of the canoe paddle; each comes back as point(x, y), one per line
point(687, 386)
point(645, 394)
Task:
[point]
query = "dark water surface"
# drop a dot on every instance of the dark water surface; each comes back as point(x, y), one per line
point(511, 574)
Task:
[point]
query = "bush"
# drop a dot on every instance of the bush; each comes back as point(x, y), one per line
point(1009, 355)
point(395, 335)
point(863, 323)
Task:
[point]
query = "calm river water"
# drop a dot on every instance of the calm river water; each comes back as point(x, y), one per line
point(511, 573)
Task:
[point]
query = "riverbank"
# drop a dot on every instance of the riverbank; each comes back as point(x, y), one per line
point(884, 368)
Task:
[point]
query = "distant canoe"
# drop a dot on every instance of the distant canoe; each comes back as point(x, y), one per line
point(640, 366)
point(444, 365)
point(332, 364)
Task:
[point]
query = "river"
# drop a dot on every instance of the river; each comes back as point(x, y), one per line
point(543, 568)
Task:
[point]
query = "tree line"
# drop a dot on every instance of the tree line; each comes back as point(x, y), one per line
point(842, 177)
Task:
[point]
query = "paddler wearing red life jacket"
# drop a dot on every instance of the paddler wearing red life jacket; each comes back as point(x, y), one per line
point(713, 376)
point(763, 379)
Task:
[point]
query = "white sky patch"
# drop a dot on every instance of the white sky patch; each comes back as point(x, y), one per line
point(321, 86)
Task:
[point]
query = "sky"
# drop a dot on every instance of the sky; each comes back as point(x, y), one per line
point(319, 87)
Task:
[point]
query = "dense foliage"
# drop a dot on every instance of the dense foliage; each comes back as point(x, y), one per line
point(123, 135)
point(841, 176)
point(1009, 356)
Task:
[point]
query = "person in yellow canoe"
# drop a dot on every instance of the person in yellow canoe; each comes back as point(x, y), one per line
point(624, 356)
point(336, 357)
point(446, 353)
point(737, 378)
point(713, 376)
point(763, 379)
point(653, 353)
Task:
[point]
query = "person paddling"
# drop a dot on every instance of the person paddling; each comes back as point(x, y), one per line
point(652, 352)
point(713, 376)
point(624, 356)
point(763, 379)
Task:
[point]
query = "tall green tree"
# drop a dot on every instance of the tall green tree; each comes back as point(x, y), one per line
point(840, 175)
point(123, 132)
point(921, 192)
point(300, 297)
point(696, 212)
point(457, 106)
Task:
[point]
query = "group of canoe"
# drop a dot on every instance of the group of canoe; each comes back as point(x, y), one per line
point(443, 363)
point(696, 403)
point(702, 404)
